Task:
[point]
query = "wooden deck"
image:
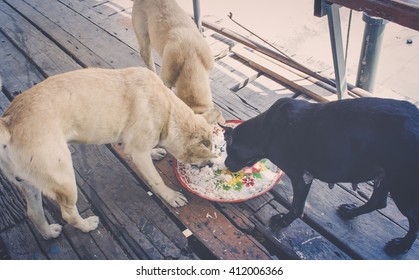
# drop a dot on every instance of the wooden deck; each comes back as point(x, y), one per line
point(41, 38)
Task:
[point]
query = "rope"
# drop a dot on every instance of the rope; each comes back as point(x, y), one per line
point(230, 15)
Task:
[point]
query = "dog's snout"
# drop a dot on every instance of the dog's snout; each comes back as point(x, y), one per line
point(203, 164)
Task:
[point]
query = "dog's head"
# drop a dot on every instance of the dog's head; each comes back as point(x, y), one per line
point(243, 147)
point(196, 138)
point(261, 136)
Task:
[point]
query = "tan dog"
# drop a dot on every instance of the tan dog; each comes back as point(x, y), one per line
point(186, 57)
point(130, 106)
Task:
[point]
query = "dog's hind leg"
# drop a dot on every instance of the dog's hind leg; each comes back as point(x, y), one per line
point(405, 196)
point(402, 245)
point(66, 196)
point(35, 211)
point(378, 200)
point(54, 174)
point(300, 191)
point(65, 193)
point(143, 38)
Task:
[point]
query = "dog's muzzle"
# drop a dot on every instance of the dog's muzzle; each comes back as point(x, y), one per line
point(201, 165)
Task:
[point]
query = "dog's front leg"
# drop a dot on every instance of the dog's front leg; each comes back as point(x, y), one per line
point(149, 173)
point(300, 190)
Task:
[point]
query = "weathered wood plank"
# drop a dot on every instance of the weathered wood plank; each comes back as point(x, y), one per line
point(12, 206)
point(31, 41)
point(263, 92)
point(209, 225)
point(20, 245)
point(119, 25)
point(239, 215)
point(58, 248)
point(283, 75)
point(233, 73)
point(110, 8)
point(258, 202)
point(228, 101)
point(83, 39)
point(205, 221)
point(16, 70)
point(119, 230)
point(59, 36)
point(96, 245)
point(132, 207)
point(298, 240)
point(4, 255)
point(365, 235)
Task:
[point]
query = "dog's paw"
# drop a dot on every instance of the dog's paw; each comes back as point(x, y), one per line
point(89, 224)
point(281, 220)
point(346, 211)
point(177, 199)
point(397, 246)
point(158, 153)
point(53, 231)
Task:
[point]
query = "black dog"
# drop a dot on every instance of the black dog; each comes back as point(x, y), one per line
point(357, 140)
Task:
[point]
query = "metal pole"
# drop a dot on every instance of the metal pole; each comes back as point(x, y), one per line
point(371, 45)
point(337, 50)
point(197, 14)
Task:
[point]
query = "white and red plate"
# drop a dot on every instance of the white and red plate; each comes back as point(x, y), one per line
point(217, 183)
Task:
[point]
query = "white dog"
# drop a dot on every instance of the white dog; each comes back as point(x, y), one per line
point(186, 57)
point(130, 106)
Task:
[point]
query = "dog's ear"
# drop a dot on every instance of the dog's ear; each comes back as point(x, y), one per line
point(204, 152)
point(213, 116)
point(228, 134)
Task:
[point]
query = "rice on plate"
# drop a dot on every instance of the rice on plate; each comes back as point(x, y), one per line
point(217, 183)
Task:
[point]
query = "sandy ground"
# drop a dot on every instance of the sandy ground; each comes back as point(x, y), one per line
point(293, 28)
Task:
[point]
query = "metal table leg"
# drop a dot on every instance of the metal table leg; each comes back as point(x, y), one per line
point(337, 49)
point(197, 14)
